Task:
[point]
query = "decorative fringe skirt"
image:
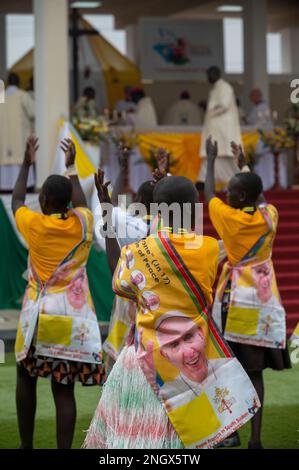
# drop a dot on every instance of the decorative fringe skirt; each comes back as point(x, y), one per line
point(129, 414)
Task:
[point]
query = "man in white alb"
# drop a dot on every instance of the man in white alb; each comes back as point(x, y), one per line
point(16, 124)
point(222, 122)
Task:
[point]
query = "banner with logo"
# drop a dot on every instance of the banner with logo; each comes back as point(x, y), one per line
point(179, 49)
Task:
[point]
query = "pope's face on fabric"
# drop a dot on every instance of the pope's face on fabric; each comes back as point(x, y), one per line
point(262, 276)
point(183, 344)
point(76, 292)
point(138, 279)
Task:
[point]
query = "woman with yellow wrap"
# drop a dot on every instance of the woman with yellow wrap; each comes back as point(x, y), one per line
point(176, 384)
point(247, 306)
point(58, 335)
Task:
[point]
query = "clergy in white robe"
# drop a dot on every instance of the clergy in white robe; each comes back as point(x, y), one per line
point(260, 117)
point(145, 116)
point(222, 123)
point(16, 124)
point(183, 113)
point(260, 114)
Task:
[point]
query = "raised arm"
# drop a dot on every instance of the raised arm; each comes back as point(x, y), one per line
point(239, 157)
point(119, 185)
point(112, 246)
point(212, 152)
point(19, 192)
point(163, 162)
point(78, 197)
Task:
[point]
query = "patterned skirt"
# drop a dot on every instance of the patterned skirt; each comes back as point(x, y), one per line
point(62, 371)
point(129, 414)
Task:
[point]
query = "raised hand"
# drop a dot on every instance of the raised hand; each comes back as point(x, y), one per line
point(31, 149)
point(163, 160)
point(211, 149)
point(124, 153)
point(158, 175)
point(69, 149)
point(102, 188)
point(238, 154)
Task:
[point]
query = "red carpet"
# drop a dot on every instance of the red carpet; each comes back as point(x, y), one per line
point(285, 252)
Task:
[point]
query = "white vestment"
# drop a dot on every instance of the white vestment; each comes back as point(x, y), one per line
point(16, 124)
point(145, 116)
point(222, 123)
point(260, 116)
point(183, 113)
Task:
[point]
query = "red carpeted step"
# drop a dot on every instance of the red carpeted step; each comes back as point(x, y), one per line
point(289, 240)
point(291, 325)
point(286, 252)
point(292, 307)
point(292, 316)
point(287, 278)
point(286, 265)
point(281, 194)
point(289, 227)
point(287, 215)
point(288, 292)
point(285, 205)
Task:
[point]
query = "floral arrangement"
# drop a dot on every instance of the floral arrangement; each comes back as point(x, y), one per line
point(92, 130)
point(277, 139)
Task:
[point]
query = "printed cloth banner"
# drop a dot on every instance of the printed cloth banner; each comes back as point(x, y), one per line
point(61, 322)
point(255, 315)
point(176, 49)
point(203, 388)
point(12, 275)
point(123, 315)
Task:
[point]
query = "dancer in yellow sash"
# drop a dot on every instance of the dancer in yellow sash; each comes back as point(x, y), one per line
point(58, 334)
point(134, 228)
point(178, 384)
point(247, 306)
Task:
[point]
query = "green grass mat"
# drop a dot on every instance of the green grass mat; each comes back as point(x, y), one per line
point(280, 422)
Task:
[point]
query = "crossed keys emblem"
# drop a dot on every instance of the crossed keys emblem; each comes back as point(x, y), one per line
point(222, 399)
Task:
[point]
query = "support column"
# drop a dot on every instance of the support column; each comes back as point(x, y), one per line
point(290, 51)
point(132, 42)
point(255, 48)
point(51, 62)
point(3, 71)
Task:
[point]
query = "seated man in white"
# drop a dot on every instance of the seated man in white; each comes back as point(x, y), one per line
point(183, 112)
